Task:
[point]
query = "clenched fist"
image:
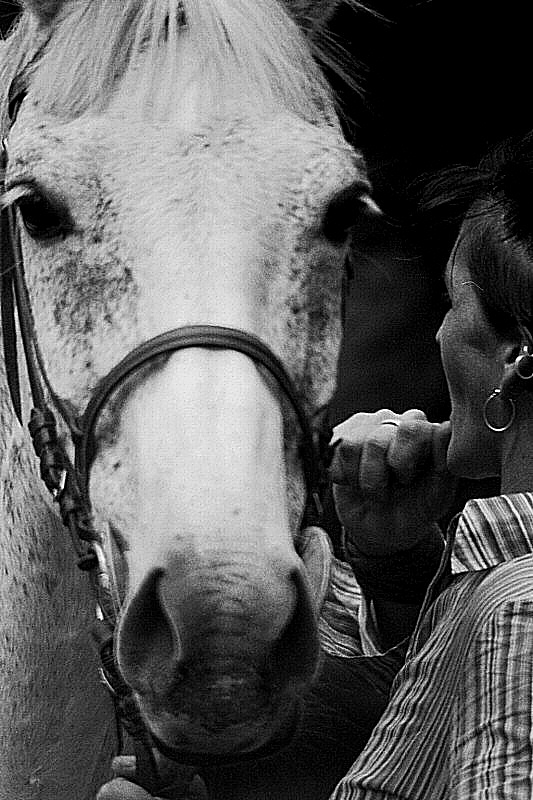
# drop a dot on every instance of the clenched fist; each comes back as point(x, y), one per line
point(390, 480)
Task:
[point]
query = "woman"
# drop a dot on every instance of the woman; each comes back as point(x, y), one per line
point(459, 723)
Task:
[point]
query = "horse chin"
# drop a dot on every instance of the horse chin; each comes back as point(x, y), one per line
point(184, 739)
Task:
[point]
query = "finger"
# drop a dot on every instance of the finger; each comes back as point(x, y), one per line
point(124, 766)
point(120, 789)
point(441, 439)
point(344, 467)
point(350, 437)
point(410, 451)
point(374, 471)
point(356, 426)
point(413, 413)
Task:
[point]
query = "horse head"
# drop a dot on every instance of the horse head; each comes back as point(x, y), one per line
point(173, 164)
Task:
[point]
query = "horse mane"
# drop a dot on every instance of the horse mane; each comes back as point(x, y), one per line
point(248, 48)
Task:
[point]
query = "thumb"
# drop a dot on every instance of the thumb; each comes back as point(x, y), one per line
point(441, 436)
point(440, 485)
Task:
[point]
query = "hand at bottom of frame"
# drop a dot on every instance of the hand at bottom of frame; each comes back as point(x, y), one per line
point(122, 787)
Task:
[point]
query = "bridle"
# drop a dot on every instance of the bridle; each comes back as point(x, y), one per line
point(68, 482)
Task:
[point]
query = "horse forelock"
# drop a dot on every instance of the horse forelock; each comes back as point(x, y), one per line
point(251, 49)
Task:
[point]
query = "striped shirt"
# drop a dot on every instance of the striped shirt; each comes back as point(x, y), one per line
point(459, 723)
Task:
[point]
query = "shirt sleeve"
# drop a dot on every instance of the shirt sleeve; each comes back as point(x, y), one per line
point(492, 721)
point(347, 622)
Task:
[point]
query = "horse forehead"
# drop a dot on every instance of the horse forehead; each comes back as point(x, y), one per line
point(237, 168)
point(269, 155)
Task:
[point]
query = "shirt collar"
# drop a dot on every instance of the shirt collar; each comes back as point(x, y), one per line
point(492, 530)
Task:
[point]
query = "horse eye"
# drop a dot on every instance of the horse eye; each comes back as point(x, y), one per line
point(42, 218)
point(351, 211)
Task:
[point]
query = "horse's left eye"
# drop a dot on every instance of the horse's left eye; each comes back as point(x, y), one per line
point(351, 211)
point(42, 218)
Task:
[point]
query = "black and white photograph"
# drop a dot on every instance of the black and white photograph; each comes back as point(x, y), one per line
point(266, 400)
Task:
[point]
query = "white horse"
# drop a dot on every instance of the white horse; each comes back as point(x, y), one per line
point(171, 164)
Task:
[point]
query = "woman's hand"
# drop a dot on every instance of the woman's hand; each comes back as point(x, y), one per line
point(121, 789)
point(390, 480)
point(185, 786)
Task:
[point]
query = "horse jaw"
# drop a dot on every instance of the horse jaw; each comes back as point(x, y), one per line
point(57, 726)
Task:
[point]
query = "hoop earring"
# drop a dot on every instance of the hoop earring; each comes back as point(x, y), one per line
point(524, 364)
point(496, 397)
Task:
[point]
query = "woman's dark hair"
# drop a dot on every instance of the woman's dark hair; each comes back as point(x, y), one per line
point(494, 204)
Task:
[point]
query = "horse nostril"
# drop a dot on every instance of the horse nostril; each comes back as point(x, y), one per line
point(189, 630)
point(148, 644)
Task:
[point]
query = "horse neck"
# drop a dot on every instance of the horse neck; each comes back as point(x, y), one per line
point(56, 721)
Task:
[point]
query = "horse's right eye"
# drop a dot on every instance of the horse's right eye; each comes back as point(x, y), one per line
point(42, 218)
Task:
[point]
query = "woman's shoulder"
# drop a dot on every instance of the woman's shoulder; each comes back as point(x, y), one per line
point(505, 588)
point(492, 554)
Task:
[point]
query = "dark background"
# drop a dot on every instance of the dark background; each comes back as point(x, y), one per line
point(441, 81)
